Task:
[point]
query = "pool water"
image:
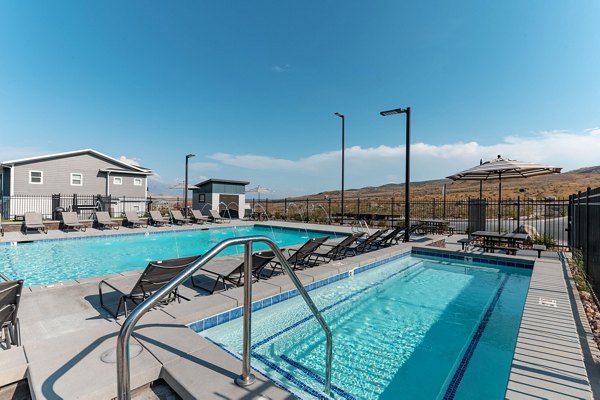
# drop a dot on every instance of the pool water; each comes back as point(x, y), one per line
point(412, 329)
point(50, 261)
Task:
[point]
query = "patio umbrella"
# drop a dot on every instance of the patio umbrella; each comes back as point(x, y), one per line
point(259, 189)
point(501, 168)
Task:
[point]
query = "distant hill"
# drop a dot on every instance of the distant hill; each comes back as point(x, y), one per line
point(556, 185)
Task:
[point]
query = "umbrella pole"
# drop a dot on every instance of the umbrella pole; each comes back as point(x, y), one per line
point(499, 200)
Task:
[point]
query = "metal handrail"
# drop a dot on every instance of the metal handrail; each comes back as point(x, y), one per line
point(123, 367)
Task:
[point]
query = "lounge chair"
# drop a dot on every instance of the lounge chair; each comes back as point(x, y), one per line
point(178, 218)
point(298, 258)
point(198, 217)
point(400, 235)
point(215, 217)
point(364, 245)
point(388, 239)
point(10, 296)
point(234, 274)
point(154, 277)
point(70, 220)
point(103, 220)
point(157, 218)
point(33, 220)
point(335, 252)
point(133, 219)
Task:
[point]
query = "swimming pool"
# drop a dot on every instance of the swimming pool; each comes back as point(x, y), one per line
point(413, 328)
point(50, 261)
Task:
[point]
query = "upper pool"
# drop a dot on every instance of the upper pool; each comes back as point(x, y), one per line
point(50, 261)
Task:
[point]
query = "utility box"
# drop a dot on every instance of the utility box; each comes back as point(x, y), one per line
point(477, 212)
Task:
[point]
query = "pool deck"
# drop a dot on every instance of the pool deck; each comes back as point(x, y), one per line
point(65, 332)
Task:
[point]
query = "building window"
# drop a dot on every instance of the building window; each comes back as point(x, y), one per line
point(117, 180)
point(201, 198)
point(76, 179)
point(36, 177)
point(137, 181)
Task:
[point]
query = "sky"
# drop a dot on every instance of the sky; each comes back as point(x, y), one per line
point(251, 87)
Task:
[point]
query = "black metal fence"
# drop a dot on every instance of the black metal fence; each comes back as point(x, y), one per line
point(584, 232)
point(546, 218)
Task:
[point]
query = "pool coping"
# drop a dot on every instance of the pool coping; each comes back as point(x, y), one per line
point(544, 272)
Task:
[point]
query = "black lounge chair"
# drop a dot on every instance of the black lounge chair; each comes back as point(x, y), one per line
point(33, 220)
point(215, 217)
point(390, 238)
point(134, 221)
point(70, 220)
point(10, 297)
point(178, 218)
point(154, 277)
point(158, 220)
point(103, 220)
point(234, 274)
point(299, 258)
point(335, 252)
point(365, 245)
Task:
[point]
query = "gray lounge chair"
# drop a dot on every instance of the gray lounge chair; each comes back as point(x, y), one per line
point(154, 277)
point(178, 218)
point(335, 251)
point(198, 217)
point(298, 259)
point(215, 217)
point(234, 274)
point(10, 297)
point(103, 220)
point(33, 220)
point(157, 218)
point(70, 220)
point(135, 221)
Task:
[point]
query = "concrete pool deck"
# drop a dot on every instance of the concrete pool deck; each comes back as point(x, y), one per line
point(65, 332)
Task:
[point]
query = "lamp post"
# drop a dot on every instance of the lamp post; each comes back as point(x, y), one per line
point(343, 147)
point(407, 178)
point(185, 189)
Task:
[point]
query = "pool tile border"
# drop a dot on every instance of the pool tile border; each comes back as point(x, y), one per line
point(476, 258)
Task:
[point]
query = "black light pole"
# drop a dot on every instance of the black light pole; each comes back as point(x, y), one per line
point(343, 147)
point(407, 178)
point(185, 190)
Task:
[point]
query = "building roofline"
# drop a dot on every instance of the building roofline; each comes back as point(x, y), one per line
point(73, 153)
point(222, 181)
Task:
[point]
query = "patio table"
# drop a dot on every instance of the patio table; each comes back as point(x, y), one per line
point(491, 241)
point(435, 225)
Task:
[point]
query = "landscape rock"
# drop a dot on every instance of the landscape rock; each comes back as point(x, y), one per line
point(528, 229)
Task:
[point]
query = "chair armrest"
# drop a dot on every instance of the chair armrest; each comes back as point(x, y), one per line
point(4, 277)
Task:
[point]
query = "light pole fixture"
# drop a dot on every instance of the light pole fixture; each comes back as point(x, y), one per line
point(185, 189)
point(343, 148)
point(407, 178)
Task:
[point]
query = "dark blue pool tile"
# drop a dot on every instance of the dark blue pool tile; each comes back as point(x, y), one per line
point(222, 318)
point(257, 305)
point(236, 313)
point(210, 322)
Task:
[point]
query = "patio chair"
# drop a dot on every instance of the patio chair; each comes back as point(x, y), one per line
point(70, 220)
point(216, 217)
point(134, 221)
point(154, 277)
point(33, 220)
point(10, 296)
point(335, 252)
point(158, 220)
point(365, 245)
point(103, 220)
point(389, 238)
point(178, 218)
point(298, 258)
point(234, 274)
point(198, 217)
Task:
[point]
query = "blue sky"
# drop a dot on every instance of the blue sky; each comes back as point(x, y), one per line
point(251, 87)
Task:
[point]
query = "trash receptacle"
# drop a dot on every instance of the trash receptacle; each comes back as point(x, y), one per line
point(57, 214)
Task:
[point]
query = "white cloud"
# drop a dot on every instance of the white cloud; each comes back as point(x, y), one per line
point(280, 68)
point(130, 161)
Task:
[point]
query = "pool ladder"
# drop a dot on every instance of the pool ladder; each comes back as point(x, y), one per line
point(360, 229)
point(246, 378)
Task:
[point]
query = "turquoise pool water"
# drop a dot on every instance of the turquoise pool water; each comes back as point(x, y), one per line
point(410, 329)
point(46, 262)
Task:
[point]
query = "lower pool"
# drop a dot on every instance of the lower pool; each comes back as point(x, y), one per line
point(411, 328)
point(49, 261)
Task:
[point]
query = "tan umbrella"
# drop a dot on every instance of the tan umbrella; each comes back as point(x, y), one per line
point(259, 189)
point(501, 168)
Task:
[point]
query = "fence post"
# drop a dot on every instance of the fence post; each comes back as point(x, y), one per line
point(518, 212)
point(267, 206)
point(587, 231)
point(570, 223)
point(392, 224)
point(285, 208)
point(329, 201)
point(578, 242)
point(358, 207)
point(307, 214)
point(433, 208)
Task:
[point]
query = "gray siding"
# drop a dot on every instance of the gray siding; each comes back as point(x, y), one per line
point(57, 177)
